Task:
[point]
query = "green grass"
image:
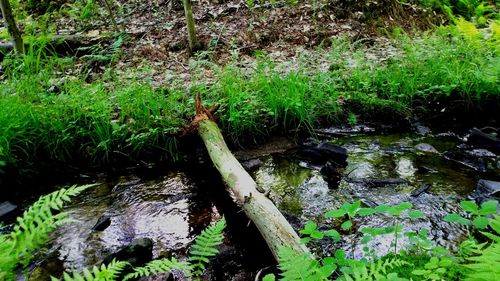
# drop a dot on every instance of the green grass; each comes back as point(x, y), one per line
point(101, 122)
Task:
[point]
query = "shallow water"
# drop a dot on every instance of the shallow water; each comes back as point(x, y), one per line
point(299, 189)
point(171, 208)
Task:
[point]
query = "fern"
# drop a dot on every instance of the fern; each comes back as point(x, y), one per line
point(159, 266)
point(102, 273)
point(377, 270)
point(300, 266)
point(205, 246)
point(32, 229)
point(486, 265)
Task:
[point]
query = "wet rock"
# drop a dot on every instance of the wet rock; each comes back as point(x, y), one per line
point(425, 147)
point(486, 188)
point(137, 253)
point(102, 223)
point(480, 139)
point(480, 152)
point(332, 174)
point(251, 164)
point(405, 168)
point(6, 208)
point(421, 130)
point(467, 160)
point(52, 265)
point(323, 153)
point(379, 182)
point(426, 170)
point(423, 188)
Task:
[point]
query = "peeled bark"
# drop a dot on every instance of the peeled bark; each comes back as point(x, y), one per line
point(273, 226)
point(10, 23)
point(191, 28)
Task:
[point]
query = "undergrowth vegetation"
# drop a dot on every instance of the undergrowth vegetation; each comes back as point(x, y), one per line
point(33, 228)
point(56, 120)
point(417, 259)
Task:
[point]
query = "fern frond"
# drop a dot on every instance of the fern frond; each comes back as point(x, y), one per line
point(205, 246)
point(299, 266)
point(485, 266)
point(33, 228)
point(102, 273)
point(159, 266)
point(373, 271)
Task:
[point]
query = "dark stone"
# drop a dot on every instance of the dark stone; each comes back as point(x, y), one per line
point(486, 188)
point(137, 253)
point(323, 153)
point(426, 170)
point(6, 207)
point(467, 160)
point(332, 173)
point(379, 182)
point(423, 188)
point(102, 223)
point(421, 130)
point(478, 138)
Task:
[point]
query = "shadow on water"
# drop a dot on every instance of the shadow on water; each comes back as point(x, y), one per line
point(171, 206)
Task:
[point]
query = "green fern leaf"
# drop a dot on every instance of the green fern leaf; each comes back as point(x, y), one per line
point(299, 266)
point(32, 229)
point(159, 266)
point(205, 246)
point(102, 273)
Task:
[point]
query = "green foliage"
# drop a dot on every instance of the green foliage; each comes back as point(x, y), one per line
point(376, 271)
point(295, 266)
point(205, 246)
point(478, 215)
point(32, 230)
point(159, 266)
point(102, 273)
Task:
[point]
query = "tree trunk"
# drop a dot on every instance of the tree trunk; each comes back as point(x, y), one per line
point(273, 226)
point(109, 7)
point(10, 22)
point(188, 11)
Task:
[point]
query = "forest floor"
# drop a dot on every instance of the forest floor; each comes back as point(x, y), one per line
point(229, 31)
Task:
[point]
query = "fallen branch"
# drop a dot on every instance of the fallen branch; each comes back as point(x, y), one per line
point(273, 226)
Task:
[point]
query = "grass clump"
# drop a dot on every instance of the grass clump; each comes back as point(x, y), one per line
point(67, 120)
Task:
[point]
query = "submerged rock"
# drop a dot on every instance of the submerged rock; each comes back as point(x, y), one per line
point(425, 147)
point(102, 223)
point(323, 153)
point(379, 182)
point(476, 163)
point(251, 164)
point(423, 188)
point(486, 188)
point(137, 253)
point(6, 208)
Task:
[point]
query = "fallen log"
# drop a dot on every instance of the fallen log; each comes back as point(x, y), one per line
point(273, 226)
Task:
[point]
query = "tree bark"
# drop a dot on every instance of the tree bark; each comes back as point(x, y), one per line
point(10, 22)
point(191, 28)
point(109, 7)
point(273, 226)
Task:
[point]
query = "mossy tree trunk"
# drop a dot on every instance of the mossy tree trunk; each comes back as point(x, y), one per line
point(10, 22)
point(191, 28)
point(273, 226)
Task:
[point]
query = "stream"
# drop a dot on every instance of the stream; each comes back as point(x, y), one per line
point(172, 207)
